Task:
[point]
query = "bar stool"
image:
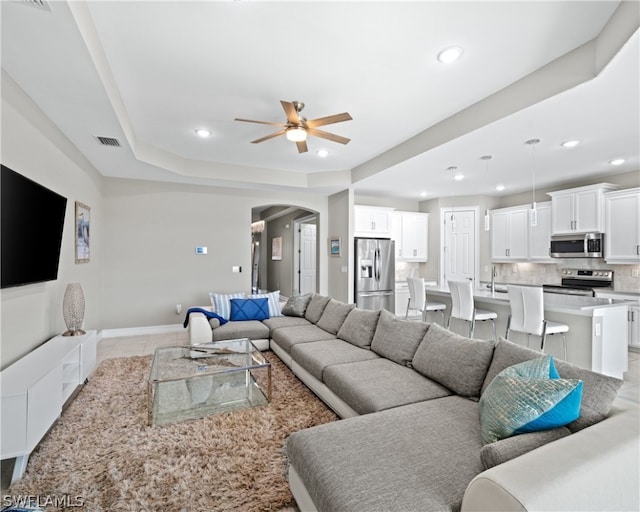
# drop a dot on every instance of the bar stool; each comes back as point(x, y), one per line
point(527, 315)
point(418, 299)
point(463, 307)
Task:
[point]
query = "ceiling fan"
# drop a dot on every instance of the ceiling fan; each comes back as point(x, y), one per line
point(298, 127)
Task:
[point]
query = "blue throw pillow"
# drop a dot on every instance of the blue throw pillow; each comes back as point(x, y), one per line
point(528, 397)
point(249, 309)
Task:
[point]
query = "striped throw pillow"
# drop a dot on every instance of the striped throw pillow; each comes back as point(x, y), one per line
point(221, 302)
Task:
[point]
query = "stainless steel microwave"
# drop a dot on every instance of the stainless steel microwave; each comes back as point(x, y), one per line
point(584, 245)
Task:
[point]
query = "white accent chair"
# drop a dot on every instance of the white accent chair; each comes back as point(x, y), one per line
point(527, 315)
point(418, 299)
point(463, 307)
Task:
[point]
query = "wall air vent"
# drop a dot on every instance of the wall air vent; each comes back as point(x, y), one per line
point(109, 141)
point(38, 4)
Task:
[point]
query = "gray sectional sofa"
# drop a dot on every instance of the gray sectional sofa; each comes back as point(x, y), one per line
point(410, 437)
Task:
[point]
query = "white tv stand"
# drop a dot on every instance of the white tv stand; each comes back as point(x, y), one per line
point(34, 389)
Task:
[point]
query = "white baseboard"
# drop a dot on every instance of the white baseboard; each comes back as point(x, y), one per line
point(136, 331)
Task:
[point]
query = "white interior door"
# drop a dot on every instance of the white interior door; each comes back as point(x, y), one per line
point(307, 270)
point(459, 245)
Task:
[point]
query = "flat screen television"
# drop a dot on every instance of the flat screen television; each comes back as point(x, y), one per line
point(32, 221)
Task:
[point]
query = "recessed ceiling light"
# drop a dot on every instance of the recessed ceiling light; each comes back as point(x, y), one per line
point(617, 161)
point(450, 55)
point(459, 177)
point(322, 153)
point(423, 194)
point(570, 143)
point(500, 187)
point(202, 132)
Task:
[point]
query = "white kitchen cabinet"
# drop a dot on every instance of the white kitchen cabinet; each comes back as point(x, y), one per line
point(622, 226)
point(509, 234)
point(540, 234)
point(372, 221)
point(410, 232)
point(578, 210)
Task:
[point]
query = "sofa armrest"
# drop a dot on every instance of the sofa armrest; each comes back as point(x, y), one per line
point(199, 329)
point(594, 469)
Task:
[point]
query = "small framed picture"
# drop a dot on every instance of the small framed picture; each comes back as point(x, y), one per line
point(276, 248)
point(335, 247)
point(83, 222)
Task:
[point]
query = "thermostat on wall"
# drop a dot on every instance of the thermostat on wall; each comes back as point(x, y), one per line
point(201, 250)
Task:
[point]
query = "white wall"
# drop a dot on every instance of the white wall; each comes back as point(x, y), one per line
point(34, 147)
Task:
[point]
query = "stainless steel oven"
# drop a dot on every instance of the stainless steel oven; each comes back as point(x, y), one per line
point(581, 282)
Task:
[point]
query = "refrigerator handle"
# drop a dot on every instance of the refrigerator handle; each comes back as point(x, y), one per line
point(376, 267)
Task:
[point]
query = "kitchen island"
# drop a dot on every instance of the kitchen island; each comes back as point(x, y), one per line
point(598, 332)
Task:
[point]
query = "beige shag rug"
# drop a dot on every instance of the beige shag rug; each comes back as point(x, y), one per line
point(103, 451)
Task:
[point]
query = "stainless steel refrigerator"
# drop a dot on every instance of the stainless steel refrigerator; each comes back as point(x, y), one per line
point(375, 271)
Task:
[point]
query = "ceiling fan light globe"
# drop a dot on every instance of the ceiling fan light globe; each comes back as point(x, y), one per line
point(296, 134)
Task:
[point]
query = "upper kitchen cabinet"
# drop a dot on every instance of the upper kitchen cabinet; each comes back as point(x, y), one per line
point(372, 221)
point(622, 223)
point(509, 234)
point(410, 233)
point(578, 210)
point(540, 234)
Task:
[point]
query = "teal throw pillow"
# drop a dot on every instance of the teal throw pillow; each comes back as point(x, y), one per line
point(249, 309)
point(528, 397)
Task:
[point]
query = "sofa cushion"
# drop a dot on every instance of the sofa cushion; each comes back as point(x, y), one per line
point(316, 307)
point(315, 356)
point(249, 309)
point(287, 337)
point(393, 460)
point(598, 393)
point(359, 327)
point(252, 329)
point(457, 362)
point(221, 302)
point(274, 301)
point(296, 305)
point(528, 397)
point(501, 451)
point(334, 315)
point(378, 384)
point(397, 339)
point(276, 322)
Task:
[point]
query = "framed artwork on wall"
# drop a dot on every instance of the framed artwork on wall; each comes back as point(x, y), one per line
point(335, 246)
point(83, 222)
point(276, 248)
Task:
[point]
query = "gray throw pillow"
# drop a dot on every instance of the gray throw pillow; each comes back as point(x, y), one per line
point(359, 327)
point(598, 392)
point(501, 451)
point(296, 305)
point(334, 315)
point(316, 307)
point(397, 339)
point(457, 362)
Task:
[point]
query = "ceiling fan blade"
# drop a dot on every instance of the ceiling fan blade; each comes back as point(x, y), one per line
point(328, 136)
point(260, 122)
point(270, 136)
point(336, 118)
point(292, 113)
point(302, 146)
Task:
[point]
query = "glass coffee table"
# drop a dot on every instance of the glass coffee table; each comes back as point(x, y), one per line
point(200, 380)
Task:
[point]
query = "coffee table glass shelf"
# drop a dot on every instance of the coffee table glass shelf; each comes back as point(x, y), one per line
point(210, 378)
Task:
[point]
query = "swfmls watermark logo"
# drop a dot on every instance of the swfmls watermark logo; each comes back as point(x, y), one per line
point(37, 502)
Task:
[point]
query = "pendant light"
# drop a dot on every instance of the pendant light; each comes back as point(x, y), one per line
point(453, 169)
point(533, 212)
point(487, 220)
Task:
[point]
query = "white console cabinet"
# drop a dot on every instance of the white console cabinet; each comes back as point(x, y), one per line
point(35, 388)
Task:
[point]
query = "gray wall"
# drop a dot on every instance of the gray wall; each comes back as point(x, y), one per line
point(340, 283)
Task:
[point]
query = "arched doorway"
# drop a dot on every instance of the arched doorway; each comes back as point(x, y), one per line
point(284, 249)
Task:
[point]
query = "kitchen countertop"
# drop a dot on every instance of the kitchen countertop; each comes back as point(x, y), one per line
point(571, 304)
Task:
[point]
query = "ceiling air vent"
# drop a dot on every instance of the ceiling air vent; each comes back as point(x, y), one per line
point(38, 4)
point(109, 141)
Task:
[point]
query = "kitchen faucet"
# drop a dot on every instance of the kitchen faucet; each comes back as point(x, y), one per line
point(493, 279)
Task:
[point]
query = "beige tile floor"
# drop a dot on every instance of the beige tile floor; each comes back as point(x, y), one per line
point(146, 344)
